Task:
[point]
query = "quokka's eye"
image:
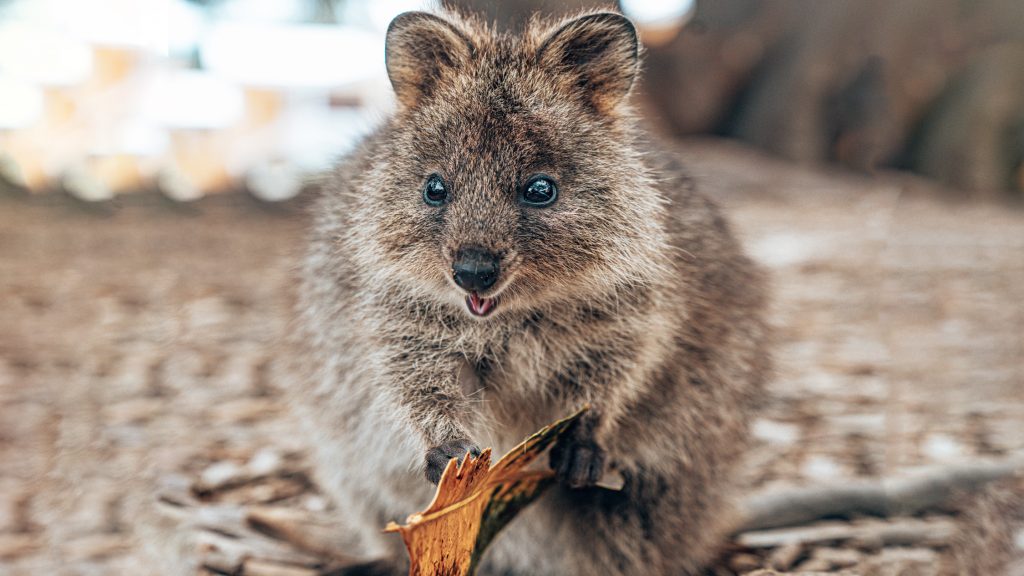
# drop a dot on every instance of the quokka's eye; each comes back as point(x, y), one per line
point(435, 193)
point(539, 192)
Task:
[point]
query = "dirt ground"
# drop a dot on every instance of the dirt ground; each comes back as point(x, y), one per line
point(141, 343)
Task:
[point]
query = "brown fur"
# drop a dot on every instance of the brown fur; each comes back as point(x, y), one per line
point(629, 293)
point(985, 544)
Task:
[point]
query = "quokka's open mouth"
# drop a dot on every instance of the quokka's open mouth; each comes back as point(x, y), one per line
point(479, 306)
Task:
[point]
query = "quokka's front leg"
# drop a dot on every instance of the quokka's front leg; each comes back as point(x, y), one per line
point(426, 388)
point(577, 458)
point(580, 458)
point(586, 453)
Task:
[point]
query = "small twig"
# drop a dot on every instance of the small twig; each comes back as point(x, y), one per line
point(304, 530)
point(263, 568)
point(874, 534)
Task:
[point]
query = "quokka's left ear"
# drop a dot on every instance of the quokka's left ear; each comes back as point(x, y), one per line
point(421, 48)
point(598, 54)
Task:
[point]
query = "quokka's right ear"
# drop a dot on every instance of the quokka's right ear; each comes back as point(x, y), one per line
point(598, 54)
point(420, 48)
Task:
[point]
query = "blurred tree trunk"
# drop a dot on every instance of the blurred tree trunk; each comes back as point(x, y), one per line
point(974, 137)
point(864, 83)
point(696, 79)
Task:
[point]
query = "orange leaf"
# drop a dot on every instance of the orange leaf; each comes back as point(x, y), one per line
point(473, 503)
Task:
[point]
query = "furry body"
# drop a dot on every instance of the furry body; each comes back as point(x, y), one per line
point(629, 293)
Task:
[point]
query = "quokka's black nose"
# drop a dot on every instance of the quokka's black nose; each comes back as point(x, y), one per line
point(475, 269)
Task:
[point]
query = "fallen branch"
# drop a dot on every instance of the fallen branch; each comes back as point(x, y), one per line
point(931, 490)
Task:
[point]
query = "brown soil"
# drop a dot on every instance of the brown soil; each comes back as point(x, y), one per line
point(142, 344)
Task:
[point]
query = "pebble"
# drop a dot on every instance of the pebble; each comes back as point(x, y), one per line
point(818, 467)
point(905, 558)
point(784, 557)
point(219, 474)
point(94, 547)
point(837, 557)
point(265, 462)
point(743, 563)
point(785, 249)
point(314, 503)
point(776, 433)
point(245, 411)
point(17, 545)
point(943, 448)
point(814, 565)
point(261, 568)
point(134, 411)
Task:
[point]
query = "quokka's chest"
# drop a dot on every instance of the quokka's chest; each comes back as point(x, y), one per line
point(528, 370)
point(525, 362)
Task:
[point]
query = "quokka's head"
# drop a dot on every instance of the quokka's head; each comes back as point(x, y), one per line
point(508, 178)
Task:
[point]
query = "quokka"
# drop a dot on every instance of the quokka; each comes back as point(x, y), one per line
point(504, 249)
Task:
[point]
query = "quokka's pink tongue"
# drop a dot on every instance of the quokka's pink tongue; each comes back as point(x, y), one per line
point(479, 306)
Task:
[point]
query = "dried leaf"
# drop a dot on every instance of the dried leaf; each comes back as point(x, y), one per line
point(473, 503)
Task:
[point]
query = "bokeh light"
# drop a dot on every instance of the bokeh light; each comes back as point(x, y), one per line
point(187, 97)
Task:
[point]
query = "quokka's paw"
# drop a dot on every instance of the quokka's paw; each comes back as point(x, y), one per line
point(578, 463)
point(438, 457)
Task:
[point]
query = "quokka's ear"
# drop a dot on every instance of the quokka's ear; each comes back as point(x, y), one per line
point(598, 53)
point(419, 49)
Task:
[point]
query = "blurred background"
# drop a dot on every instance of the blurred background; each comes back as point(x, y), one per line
point(155, 161)
point(101, 98)
point(191, 97)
